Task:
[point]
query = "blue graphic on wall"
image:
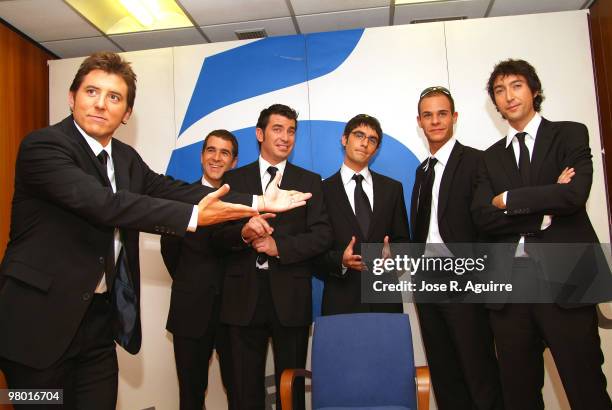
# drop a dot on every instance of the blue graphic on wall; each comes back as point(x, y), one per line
point(264, 66)
point(272, 64)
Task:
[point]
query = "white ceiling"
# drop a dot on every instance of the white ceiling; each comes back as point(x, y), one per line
point(61, 30)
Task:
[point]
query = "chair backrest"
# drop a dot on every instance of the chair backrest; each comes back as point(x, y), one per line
point(363, 360)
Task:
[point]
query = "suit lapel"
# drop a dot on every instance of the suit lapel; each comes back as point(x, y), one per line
point(508, 160)
point(290, 178)
point(121, 164)
point(378, 201)
point(341, 200)
point(289, 181)
point(542, 145)
point(253, 178)
point(447, 178)
point(414, 201)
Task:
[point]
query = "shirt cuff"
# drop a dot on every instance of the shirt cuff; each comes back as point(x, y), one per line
point(255, 203)
point(505, 198)
point(344, 269)
point(546, 221)
point(193, 221)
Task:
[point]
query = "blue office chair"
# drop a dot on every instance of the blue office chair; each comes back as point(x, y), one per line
point(362, 361)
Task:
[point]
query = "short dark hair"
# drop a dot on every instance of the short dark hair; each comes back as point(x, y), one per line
point(224, 135)
point(367, 120)
point(517, 67)
point(111, 63)
point(436, 90)
point(279, 109)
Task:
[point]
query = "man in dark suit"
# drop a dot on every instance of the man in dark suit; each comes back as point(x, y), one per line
point(363, 207)
point(69, 281)
point(457, 337)
point(532, 188)
point(197, 281)
point(267, 286)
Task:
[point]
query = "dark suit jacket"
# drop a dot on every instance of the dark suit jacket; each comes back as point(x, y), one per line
point(300, 235)
point(342, 293)
point(557, 145)
point(63, 218)
point(455, 197)
point(196, 269)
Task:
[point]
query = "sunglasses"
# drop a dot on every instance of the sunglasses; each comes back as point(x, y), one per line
point(434, 89)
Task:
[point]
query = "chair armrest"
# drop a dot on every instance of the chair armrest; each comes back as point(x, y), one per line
point(286, 385)
point(423, 382)
point(4, 386)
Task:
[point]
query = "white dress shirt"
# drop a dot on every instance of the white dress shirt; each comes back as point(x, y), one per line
point(349, 187)
point(265, 177)
point(97, 148)
point(349, 184)
point(532, 130)
point(435, 244)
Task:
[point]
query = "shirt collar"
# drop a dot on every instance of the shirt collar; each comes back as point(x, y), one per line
point(263, 167)
point(206, 183)
point(93, 143)
point(531, 129)
point(443, 154)
point(347, 174)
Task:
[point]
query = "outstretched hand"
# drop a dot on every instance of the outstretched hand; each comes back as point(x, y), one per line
point(211, 210)
point(280, 200)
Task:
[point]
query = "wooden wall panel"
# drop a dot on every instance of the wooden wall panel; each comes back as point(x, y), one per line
point(601, 39)
point(24, 106)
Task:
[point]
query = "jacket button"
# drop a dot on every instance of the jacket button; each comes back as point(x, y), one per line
point(86, 296)
point(101, 260)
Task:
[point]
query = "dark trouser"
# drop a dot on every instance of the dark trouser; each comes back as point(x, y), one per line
point(87, 371)
point(249, 345)
point(461, 356)
point(521, 333)
point(192, 356)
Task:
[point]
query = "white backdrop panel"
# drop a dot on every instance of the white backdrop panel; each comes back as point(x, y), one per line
point(383, 77)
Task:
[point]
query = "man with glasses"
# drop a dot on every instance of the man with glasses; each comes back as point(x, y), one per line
point(457, 338)
point(363, 207)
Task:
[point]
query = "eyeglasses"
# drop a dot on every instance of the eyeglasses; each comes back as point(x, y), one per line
point(361, 136)
point(435, 89)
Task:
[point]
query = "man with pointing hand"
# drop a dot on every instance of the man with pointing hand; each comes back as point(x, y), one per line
point(70, 278)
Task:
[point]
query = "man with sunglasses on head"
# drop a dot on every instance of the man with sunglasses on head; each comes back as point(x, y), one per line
point(457, 338)
point(363, 207)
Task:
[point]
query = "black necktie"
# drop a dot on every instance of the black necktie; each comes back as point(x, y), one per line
point(421, 228)
point(524, 161)
point(272, 171)
point(119, 284)
point(109, 261)
point(103, 157)
point(262, 257)
point(363, 209)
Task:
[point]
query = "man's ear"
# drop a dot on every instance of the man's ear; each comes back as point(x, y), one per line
point(344, 140)
point(259, 134)
point(71, 100)
point(234, 163)
point(126, 116)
